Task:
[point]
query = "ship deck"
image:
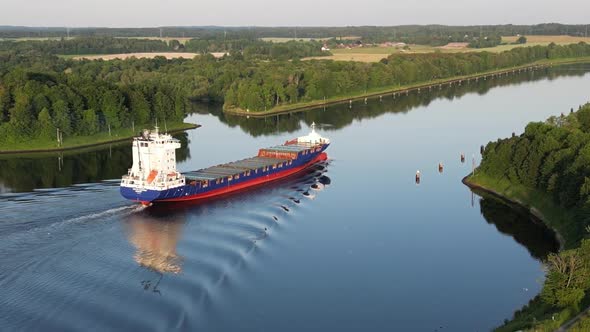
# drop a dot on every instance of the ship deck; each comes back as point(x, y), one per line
point(231, 169)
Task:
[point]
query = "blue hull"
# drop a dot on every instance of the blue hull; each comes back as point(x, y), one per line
point(191, 191)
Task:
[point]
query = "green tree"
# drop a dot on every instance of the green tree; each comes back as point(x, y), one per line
point(21, 115)
point(61, 117)
point(89, 123)
point(140, 107)
point(45, 126)
point(567, 277)
point(113, 108)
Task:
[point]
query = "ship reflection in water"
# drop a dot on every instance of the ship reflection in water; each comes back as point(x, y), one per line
point(155, 238)
point(156, 231)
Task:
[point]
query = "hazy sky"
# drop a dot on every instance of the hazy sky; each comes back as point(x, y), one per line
point(136, 13)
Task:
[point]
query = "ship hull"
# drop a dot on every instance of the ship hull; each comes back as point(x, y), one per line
point(192, 193)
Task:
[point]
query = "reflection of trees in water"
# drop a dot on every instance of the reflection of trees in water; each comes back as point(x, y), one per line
point(339, 116)
point(60, 169)
point(520, 225)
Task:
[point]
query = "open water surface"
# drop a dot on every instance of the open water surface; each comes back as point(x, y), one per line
point(352, 244)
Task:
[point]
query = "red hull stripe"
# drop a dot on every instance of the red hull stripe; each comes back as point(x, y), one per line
point(254, 182)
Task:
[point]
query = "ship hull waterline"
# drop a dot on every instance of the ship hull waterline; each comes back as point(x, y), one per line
point(150, 197)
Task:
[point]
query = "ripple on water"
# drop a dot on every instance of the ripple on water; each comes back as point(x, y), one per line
point(84, 257)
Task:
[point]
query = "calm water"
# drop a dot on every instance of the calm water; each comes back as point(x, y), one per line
point(353, 244)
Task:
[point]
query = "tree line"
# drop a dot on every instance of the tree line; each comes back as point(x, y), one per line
point(415, 34)
point(38, 96)
point(247, 48)
point(257, 49)
point(87, 45)
point(40, 92)
point(282, 83)
point(553, 157)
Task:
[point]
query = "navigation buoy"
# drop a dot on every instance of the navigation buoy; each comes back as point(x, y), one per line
point(462, 157)
point(440, 167)
point(418, 175)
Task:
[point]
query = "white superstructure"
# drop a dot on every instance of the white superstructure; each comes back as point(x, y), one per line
point(313, 137)
point(154, 163)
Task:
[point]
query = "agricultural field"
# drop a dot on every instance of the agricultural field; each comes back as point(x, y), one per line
point(548, 39)
point(181, 40)
point(36, 38)
point(167, 55)
point(374, 54)
point(286, 39)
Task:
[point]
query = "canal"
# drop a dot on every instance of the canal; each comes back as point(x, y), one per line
point(352, 244)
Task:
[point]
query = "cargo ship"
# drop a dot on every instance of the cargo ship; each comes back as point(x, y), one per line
point(153, 177)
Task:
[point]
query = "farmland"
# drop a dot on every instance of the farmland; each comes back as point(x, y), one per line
point(374, 54)
point(123, 56)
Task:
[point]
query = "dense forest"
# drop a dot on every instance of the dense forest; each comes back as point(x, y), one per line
point(340, 115)
point(90, 45)
point(40, 92)
point(415, 34)
point(279, 83)
point(257, 49)
point(247, 48)
point(553, 157)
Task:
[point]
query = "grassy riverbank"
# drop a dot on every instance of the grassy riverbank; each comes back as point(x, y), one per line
point(76, 142)
point(372, 93)
point(546, 170)
point(537, 313)
point(538, 203)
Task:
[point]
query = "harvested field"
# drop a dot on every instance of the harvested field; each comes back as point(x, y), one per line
point(181, 40)
point(374, 54)
point(454, 46)
point(167, 55)
point(360, 57)
point(541, 39)
point(286, 39)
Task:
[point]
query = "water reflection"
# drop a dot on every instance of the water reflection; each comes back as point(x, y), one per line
point(339, 116)
point(156, 231)
point(518, 223)
point(155, 238)
point(23, 173)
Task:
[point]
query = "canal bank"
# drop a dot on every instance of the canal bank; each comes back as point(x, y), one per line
point(395, 91)
point(541, 208)
point(75, 146)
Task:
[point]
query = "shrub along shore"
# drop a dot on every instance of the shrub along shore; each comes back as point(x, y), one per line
point(547, 171)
